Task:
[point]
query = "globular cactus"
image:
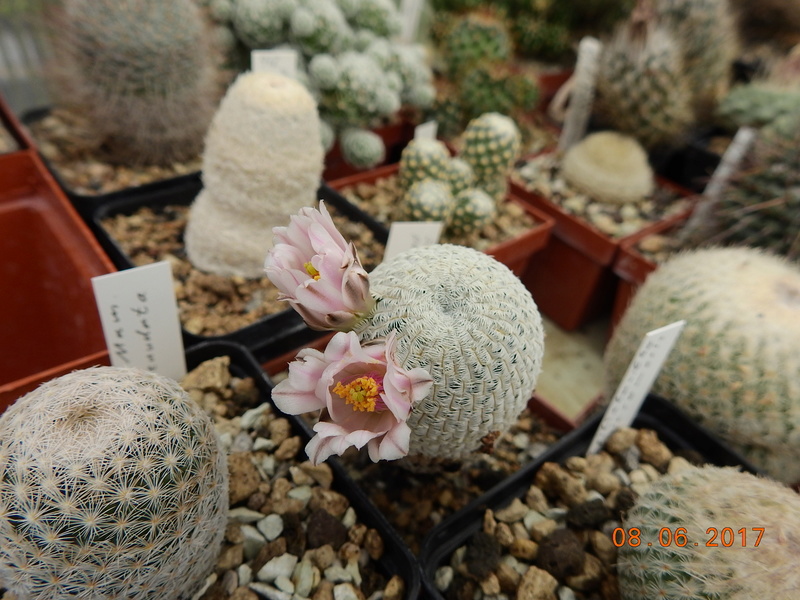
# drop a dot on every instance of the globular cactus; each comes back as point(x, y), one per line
point(752, 522)
point(112, 485)
point(480, 337)
point(757, 104)
point(472, 38)
point(362, 148)
point(736, 366)
point(381, 17)
point(539, 38)
point(642, 88)
point(459, 175)
point(423, 159)
point(318, 26)
point(263, 161)
point(492, 143)
point(142, 72)
point(496, 87)
point(472, 210)
point(427, 200)
point(262, 23)
point(609, 167)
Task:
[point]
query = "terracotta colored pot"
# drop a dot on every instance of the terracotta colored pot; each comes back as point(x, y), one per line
point(50, 324)
point(515, 253)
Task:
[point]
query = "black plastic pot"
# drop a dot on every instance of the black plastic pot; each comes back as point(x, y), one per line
point(674, 428)
point(267, 338)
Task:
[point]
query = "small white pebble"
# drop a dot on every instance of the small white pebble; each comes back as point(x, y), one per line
point(443, 578)
point(349, 517)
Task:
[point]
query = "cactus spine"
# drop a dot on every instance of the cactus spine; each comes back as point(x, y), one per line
point(143, 72)
point(263, 161)
point(112, 485)
point(697, 499)
point(480, 337)
point(735, 367)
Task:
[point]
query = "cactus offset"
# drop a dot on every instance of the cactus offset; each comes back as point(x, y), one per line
point(736, 366)
point(423, 159)
point(262, 23)
point(473, 38)
point(472, 210)
point(362, 148)
point(113, 485)
point(143, 73)
point(491, 145)
point(427, 200)
point(263, 161)
point(381, 17)
point(697, 499)
point(480, 337)
point(318, 26)
point(460, 175)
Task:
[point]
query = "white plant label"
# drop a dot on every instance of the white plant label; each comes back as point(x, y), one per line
point(404, 235)
point(410, 12)
point(638, 379)
point(426, 131)
point(139, 315)
point(277, 60)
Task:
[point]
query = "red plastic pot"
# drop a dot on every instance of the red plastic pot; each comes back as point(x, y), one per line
point(50, 324)
point(515, 253)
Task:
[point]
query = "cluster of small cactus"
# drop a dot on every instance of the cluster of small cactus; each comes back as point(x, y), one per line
point(142, 72)
point(350, 62)
point(112, 485)
point(263, 160)
point(480, 338)
point(666, 68)
point(462, 191)
point(679, 555)
point(735, 368)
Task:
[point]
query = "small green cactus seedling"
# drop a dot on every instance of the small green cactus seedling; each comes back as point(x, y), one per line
point(112, 485)
point(472, 210)
point(142, 72)
point(362, 148)
point(427, 200)
point(423, 159)
point(736, 366)
point(609, 167)
point(712, 533)
point(491, 145)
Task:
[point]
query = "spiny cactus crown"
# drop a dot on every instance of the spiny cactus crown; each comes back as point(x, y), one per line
point(736, 366)
point(262, 23)
point(473, 38)
point(701, 501)
point(491, 145)
point(469, 321)
point(112, 485)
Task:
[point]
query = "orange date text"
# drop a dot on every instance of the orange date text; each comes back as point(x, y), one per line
point(725, 537)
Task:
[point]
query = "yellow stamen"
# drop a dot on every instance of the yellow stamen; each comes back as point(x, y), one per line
point(311, 270)
point(362, 393)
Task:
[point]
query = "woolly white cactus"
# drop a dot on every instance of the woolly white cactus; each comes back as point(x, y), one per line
point(753, 553)
point(262, 162)
point(468, 320)
point(112, 485)
point(736, 366)
point(610, 167)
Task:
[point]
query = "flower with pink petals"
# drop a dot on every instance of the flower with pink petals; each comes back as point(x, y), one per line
point(318, 272)
point(364, 394)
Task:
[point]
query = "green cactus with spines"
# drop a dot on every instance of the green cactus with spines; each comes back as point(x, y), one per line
point(492, 144)
point(473, 38)
point(423, 159)
point(756, 104)
point(539, 38)
point(318, 26)
point(491, 87)
point(448, 111)
point(460, 175)
point(362, 148)
point(142, 72)
point(379, 16)
point(693, 503)
point(262, 23)
point(642, 88)
point(113, 485)
point(473, 209)
point(427, 200)
point(736, 365)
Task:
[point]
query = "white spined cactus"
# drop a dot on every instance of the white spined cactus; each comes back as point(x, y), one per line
point(468, 320)
point(263, 161)
point(112, 485)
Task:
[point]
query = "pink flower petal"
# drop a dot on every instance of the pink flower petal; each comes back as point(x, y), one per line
point(392, 446)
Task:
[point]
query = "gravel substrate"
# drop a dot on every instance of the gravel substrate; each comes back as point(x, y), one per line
point(212, 304)
point(541, 174)
point(7, 141)
point(555, 542)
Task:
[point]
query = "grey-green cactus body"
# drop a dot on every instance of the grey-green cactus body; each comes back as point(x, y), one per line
point(470, 322)
point(757, 104)
point(736, 366)
point(428, 200)
point(472, 210)
point(112, 485)
point(362, 148)
point(695, 503)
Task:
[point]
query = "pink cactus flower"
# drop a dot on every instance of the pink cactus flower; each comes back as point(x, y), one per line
point(364, 395)
point(318, 272)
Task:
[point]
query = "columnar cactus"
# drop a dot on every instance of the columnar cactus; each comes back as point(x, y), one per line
point(736, 366)
point(480, 337)
point(712, 532)
point(143, 72)
point(491, 145)
point(112, 485)
point(263, 161)
point(610, 167)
